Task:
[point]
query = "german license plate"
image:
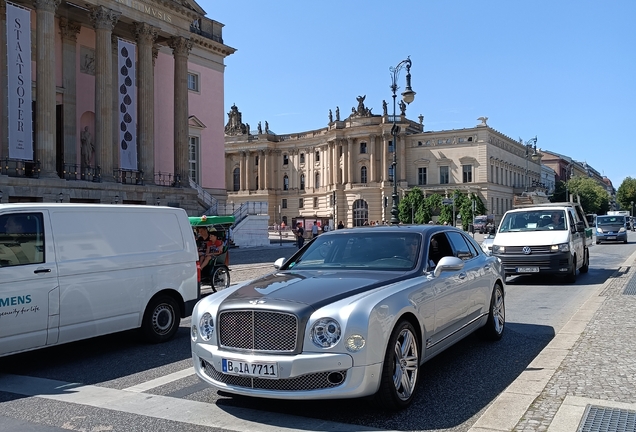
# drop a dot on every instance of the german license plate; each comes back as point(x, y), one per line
point(528, 269)
point(611, 238)
point(251, 369)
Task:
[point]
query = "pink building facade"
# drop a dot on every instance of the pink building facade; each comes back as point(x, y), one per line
point(125, 103)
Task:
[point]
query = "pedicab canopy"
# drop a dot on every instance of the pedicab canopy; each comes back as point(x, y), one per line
point(220, 222)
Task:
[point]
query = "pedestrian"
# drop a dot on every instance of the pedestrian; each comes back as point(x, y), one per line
point(340, 225)
point(300, 233)
point(314, 231)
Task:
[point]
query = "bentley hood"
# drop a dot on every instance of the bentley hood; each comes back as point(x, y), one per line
point(303, 289)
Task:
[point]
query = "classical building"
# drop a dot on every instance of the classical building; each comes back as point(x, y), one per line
point(344, 170)
point(111, 101)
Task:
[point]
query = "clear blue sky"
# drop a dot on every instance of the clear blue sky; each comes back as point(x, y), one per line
point(564, 70)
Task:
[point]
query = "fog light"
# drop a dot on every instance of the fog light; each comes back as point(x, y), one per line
point(355, 343)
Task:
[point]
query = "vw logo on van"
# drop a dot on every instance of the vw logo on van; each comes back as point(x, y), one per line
point(526, 250)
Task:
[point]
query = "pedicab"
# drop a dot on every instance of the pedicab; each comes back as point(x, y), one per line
point(216, 273)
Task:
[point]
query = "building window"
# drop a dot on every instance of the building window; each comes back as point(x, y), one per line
point(317, 156)
point(302, 182)
point(193, 158)
point(363, 147)
point(467, 173)
point(193, 82)
point(256, 161)
point(285, 182)
point(363, 174)
point(285, 159)
point(443, 175)
point(315, 202)
point(391, 148)
point(302, 158)
point(301, 203)
point(284, 203)
point(419, 143)
point(236, 179)
point(360, 213)
point(257, 183)
point(421, 176)
point(317, 183)
point(391, 172)
point(340, 150)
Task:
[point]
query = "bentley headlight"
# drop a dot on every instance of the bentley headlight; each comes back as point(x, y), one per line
point(325, 332)
point(206, 326)
point(497, 249)
point(355, 343)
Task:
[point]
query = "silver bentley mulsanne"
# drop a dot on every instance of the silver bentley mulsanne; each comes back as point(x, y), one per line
point(354, 313)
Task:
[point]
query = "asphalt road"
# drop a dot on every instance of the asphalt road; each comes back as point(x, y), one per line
point(116, 383)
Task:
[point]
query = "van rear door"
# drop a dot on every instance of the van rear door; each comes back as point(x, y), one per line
point(29, 294)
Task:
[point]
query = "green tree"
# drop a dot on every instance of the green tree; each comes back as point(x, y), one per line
point(409, 206)
point(626, 194)
point(559, 192)
point(591, 194)
point(432, 205)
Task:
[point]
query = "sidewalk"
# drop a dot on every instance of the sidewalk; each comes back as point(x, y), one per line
point(585, 378)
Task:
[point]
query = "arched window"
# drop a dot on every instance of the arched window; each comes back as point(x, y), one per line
point(236, 179)
point(302, 182)
point(285, 182)
point(317, 184)
point(360, 212)
point(363, 174)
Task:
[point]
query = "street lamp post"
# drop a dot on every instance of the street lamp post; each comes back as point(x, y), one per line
point(407, 96)
point(531, 144)
point(632, 204)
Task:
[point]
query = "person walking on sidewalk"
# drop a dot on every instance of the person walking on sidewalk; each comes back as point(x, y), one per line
point(314, 231)
point(300, 235)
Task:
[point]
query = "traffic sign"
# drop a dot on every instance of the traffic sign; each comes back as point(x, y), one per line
point(447, 201)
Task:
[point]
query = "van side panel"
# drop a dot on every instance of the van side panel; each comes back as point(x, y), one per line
point(111, 262)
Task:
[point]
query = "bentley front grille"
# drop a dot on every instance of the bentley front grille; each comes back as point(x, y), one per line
point(271, 332)
point(315, 381)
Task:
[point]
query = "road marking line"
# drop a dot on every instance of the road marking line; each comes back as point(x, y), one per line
point(158, 382)
point(168, 408)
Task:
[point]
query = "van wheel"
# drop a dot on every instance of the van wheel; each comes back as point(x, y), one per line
point(494, 328)
point(220, 278)
point(586, 263)
point(571, 277)
point(161, 319)
point(400, 369)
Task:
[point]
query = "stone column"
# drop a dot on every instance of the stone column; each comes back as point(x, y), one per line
point(243, 171)
point(115, 146)
point(4, 101)
point(262, 170)
point(69, 30)
point(266, 170)
point(402, 157)
point(45, 86)
point(333, 147)
point(145, 35)
point(104, 21)
point(384, 157)
point(248, 171)
point(372, 167)
point(180, 49)
point(348, 162)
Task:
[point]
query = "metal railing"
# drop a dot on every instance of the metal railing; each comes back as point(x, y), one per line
point(167, 179)
point(129, 176)
point(20, 168)
point(206, 198)
point(77, 172)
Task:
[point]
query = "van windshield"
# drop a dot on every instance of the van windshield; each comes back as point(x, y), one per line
point(533, 220)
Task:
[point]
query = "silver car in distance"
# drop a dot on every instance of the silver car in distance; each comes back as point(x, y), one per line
point(355, 312)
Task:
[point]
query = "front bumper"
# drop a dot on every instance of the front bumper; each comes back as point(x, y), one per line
point(611, 236)
point(544, 263)
point(304, 376)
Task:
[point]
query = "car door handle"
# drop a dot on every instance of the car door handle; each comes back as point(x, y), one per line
point(487, 267)
point(42, 270)
point(462, 275)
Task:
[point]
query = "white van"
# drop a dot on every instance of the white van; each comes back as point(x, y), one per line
point(551, 238)
point(75, 271)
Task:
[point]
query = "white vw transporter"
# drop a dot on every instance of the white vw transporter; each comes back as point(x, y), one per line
point(548, 238)
point(76, 271)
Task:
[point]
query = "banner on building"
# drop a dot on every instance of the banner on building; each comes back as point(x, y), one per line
point(127, 106)
point(19, 82)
